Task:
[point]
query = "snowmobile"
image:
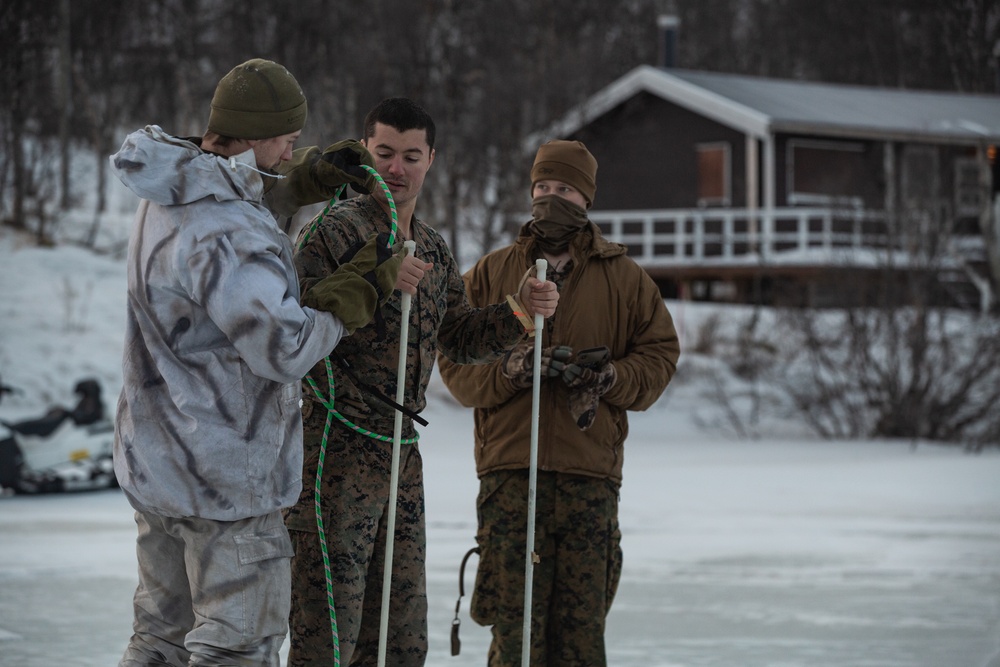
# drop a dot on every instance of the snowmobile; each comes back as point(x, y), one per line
point(63, 450)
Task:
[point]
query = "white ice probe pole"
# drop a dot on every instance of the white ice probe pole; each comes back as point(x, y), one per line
point(529, 553)
point(397, 436)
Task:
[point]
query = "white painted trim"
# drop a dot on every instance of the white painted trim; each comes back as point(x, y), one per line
point(752, 181)
point(664, 85)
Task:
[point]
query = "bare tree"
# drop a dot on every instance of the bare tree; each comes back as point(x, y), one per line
point(25, 106)
point(491, 74)
point(64, 48)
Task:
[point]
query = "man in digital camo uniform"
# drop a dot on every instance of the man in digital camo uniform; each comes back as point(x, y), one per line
point(356, 475)
point(610, 348)
point(208, 437)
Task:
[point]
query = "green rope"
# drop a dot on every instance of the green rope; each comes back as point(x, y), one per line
point(393, 216)
point(341, 418)
point(331, 412)
point(319, 526)
point(316, 220)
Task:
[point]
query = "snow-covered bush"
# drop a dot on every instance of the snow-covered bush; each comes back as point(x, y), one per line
point(908, 372)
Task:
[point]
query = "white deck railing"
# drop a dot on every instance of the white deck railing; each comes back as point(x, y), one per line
point(673, 237)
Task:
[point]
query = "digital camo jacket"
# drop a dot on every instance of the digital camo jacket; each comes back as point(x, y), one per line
point(441, 318)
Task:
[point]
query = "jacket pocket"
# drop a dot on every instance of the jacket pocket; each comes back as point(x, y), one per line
point(290, 394)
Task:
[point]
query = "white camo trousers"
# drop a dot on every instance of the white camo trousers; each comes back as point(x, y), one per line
point(210, 592)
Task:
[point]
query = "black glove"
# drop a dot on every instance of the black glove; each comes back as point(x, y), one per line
point(357, 288)
point(519, 362)
point(341, 163)
point(589, 375)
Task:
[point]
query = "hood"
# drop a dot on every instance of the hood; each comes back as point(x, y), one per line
point(170, 171)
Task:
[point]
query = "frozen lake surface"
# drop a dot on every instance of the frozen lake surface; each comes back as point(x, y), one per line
point(750, 554)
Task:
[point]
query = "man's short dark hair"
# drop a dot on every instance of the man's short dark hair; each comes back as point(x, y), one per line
point(401, 114)
point(220, 140)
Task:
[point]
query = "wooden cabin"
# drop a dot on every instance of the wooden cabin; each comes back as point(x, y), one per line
point(739, 188)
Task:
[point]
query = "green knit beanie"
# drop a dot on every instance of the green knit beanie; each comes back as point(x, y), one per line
point(259, 99)
point(569, 162)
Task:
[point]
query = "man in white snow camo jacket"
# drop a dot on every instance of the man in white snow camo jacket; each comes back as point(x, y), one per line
point(208, 445)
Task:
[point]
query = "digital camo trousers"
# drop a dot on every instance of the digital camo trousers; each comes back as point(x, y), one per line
point(354, 501)
point(578, 543)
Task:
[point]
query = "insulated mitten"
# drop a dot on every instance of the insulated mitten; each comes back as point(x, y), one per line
point(311, 177)
point(519, 362)
point(341, 163)
point(358, 287)
point(589, 375)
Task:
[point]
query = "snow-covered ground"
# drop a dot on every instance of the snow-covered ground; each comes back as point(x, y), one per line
point(779, 552)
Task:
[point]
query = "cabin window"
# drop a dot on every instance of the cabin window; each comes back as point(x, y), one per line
point(714, 182)
point(825, 172)
point(967, 192)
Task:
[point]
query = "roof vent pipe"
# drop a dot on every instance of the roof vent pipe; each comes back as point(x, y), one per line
point(667, 27)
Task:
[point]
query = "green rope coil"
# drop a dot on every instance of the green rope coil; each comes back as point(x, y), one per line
point(329, 405)
point(393, 216)
point(332, 413)
point(327, 572)
point(316, 220)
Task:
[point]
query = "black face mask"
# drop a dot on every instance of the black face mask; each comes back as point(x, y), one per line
point(556, 222)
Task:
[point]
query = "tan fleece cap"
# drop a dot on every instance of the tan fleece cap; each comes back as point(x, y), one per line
point(569, 162)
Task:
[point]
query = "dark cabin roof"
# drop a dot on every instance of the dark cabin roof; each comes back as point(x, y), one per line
point(760, 107)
